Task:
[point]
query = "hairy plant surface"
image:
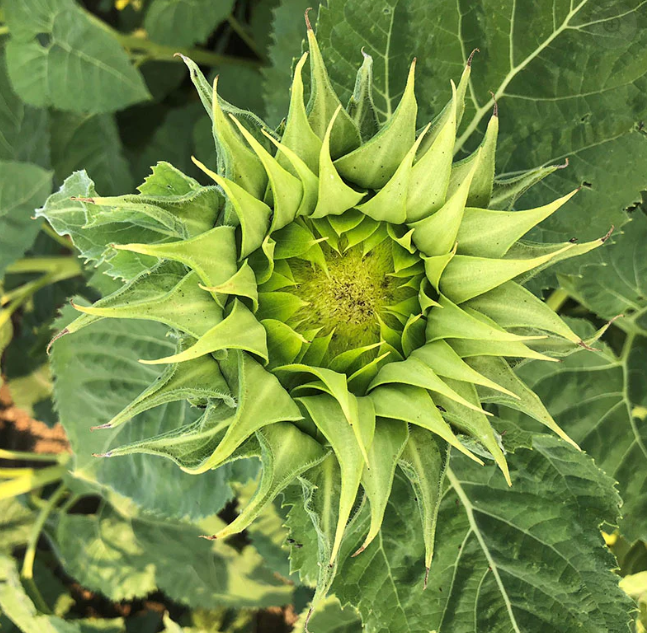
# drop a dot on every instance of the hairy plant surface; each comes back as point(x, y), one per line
point(345, 299)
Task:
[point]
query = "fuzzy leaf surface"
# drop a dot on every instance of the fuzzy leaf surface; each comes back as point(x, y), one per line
point(528, 558)
point(90, 142)
point(600, 400)
point(617, 282)
point(98, 374)
point(24, 133)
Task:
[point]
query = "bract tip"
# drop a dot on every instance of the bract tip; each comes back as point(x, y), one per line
point(63, 332)
point(495, 110)
point(108, 425)
point(607, 236)
point(471, 57)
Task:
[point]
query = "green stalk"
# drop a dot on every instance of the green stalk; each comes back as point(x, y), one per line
point(240, 30)
point(32, 457)
point(35, 479)
point(158, 52)
point(27, 572)
point(50, 232)
point(58, 269)
point(557, 299)
point(55, 265)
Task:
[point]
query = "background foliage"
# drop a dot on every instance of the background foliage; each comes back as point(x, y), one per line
point(94, 85)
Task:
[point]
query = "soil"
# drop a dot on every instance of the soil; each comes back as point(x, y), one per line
point(20, 432)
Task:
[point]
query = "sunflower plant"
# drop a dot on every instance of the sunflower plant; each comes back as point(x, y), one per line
point(346, 299)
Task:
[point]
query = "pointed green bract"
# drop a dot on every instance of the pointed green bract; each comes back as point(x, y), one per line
point(487, 233)
point(309, 181)
point(328, 416)
point(361, 107)
point(473, 422)
point(390, 203)
point(424, 462)
point(238, 330)
point(324, 104)
point(335, 196)
point(415, 406)
point(466, 348)
point(512, 306)
point(373, 164)
point(212, 255)
point(286, 453)
point(455, 107)
point(414, 372)
point(430, 174)
point(298, 135)
point(148, 285)
point(436, 234)
point(526, 400)
point(446, 362)
point(253, 214)
point(197, 380)
point(286, 189)
point(452, 322)
point(241, 284)
point(241, 165)
point(261, 402)
point(186, 307)
point(388, 443)
point(506, 191)
point(283, 343)
point(483, 178)
point(467, 277)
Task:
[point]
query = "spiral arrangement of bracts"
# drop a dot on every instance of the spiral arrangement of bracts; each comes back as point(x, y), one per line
point(345, 298)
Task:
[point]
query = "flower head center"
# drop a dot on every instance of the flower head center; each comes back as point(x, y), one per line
point(347, 298)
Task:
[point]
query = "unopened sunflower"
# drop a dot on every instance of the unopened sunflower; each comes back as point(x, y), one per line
point(345, 298)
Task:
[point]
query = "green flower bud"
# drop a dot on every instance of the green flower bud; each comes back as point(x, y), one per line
point(344, 304)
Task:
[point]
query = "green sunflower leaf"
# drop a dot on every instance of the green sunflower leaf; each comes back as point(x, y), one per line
point(600, 400)
point(493, 548)
point(183, 23)
point(23, 187)
point(98, 375)
point(119, 558)
point(286, 454)
point(55, 47)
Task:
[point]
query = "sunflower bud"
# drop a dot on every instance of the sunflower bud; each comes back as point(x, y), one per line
point(349, 309)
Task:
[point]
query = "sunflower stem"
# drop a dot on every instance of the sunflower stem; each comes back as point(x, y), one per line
point(27, 571)
point(32, 457)
point(557, 299)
